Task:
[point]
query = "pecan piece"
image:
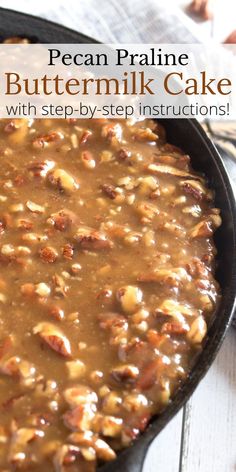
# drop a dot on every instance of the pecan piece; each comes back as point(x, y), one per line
point(196, 189)
point(144, 134)
point(175, 309)
point(85, 136)
point(62, 220)
point(206, 227)
point(125, 373)
point(109, 190)
point(18, 445)
point(79, 395)
point(174, 328)
point(68, 251)
point(65, 455)
point(202, 8)
point(48, 254)
point(130, 298)
point(43, 141)
point(41, 168)
point(60, 286)
point(2, 227)
point(63, 180)
point(110, 320)
point(171, 277)
point(197, 330)
point(54, 338)
point(89, 238)
point(5, 345)
point(80, 418)
point(56, 312)
point(123, 154)
point(104, 451)
point(88, 160)
point(150, 374)
point(76, 369)
point(34, 207)
point(109, 426)
point(17, 367)
point(169, 170)
point(111, 131)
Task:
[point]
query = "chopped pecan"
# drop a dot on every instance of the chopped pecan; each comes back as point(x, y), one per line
point(171, 277)
point(125, 373)
point(197, 330)
point(206, 227)
point(43, 141)
point(135, 402)
point(110, 319)
point(88, 160)
point(41, 168)
point(85, 438)
point(109, 426)
point(123, 154)
point(19, 442)
point(54, 338)
point(65, 455)
point(76, 369)
point(174, 328)
point(150, 374)
point(16, 40)
point(2, 227)
point(112, 402)
point(175, 309)
point(80, 394)
point(48, 254)
point(34, 207)
point(5, 345)
point(130, 298)
point(10, 126)
point(85, 136)
point(42, 289)
point(60, 286)
point(103, 450)
point(80, 418)
point(24, 224)
point(62, 220)
point(147, 210)
point(68, 251)
point(109, 190)
point(169, 170)
point(144, 134)
point(111, 131)
point(56, 312)
point(196, 189)
point(17, 367)
point(63, 180)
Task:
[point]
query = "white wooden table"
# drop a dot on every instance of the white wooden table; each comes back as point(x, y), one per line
point(202, 437)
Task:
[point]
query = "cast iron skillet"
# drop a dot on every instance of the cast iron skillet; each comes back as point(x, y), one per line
point(189, 135)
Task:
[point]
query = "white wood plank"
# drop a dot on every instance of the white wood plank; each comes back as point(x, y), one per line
point(224, 19)
point(163, 454)
point(210, 428)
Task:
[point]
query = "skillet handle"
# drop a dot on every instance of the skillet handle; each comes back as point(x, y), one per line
point(130, 460)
